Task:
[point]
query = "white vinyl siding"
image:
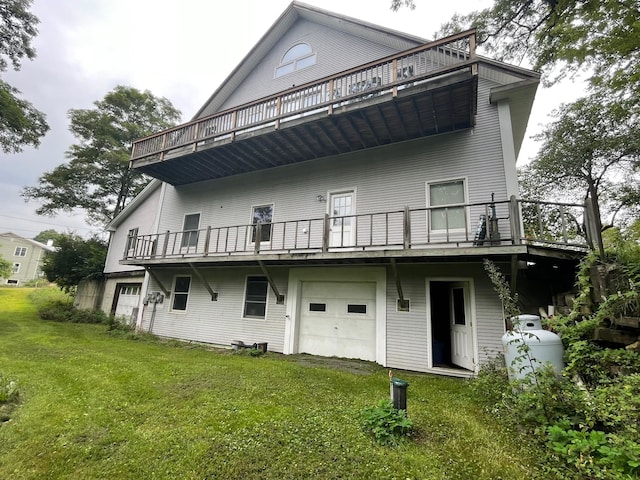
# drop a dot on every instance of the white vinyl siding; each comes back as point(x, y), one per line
point(382, 185)
point(335, 51)
point(143, 218)
point(407, 345)
point(221, 322)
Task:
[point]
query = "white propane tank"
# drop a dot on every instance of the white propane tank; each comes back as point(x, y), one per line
point(544, 347)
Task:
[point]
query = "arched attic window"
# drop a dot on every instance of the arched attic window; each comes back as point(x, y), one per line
point(296, 58)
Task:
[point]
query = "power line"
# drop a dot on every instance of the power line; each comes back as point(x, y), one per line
point(44, 223)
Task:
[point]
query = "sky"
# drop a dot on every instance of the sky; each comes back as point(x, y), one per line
point(181, 50)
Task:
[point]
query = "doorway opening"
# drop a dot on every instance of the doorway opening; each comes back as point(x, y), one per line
point(451, 327)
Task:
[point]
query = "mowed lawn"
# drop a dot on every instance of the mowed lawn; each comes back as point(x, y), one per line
point(94, 405)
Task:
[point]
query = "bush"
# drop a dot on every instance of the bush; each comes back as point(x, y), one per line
point(64, 312)
point(387, 424)
point(593, 453)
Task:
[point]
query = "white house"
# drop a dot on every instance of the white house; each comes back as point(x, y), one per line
point(337, 195)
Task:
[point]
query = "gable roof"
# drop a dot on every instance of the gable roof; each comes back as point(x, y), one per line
point(12, 237)
point(297, 10)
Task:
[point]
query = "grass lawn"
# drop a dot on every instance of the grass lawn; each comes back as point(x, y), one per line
point(95, 405)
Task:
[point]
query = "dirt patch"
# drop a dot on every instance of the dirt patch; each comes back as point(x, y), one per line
point(357, 367)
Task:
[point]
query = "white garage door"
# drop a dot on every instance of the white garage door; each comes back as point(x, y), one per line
point(128, 298)
point(338, 319)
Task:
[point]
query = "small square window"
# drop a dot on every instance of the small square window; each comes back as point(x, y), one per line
point(181, 293)
point(20, 252)
point(255, 301)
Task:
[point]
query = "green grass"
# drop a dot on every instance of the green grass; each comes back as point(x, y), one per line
point(95, 405)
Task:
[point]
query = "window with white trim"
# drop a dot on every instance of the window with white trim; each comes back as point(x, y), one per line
point(181, 286)
point(190, 230)
point(296, 58)
point(449, 195)
point(255, 297)
point(16, 267)
point(20, 252)
point(263, 215)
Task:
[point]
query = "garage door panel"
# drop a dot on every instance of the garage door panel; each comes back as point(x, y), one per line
point(329, 329)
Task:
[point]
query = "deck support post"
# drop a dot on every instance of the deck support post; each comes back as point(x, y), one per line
point(406, 231)
point(514, 221)
point(214, 295)
point(279, 297)
point(514, 275)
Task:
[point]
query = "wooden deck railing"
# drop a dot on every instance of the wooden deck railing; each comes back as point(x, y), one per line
point(509, 222)
point(385, 76)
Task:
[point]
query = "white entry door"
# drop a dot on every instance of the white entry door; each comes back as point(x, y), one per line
point(341, 223)
point(461, 328)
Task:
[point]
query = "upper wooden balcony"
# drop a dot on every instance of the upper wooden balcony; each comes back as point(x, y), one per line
point(424, 91)
point(508, 227)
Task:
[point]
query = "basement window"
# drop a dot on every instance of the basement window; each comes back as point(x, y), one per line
point(255, 297)
point(181, 288)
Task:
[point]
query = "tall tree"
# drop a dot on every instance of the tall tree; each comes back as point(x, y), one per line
point(97, 177)
point(75, 259)
point(20, 123)
point(600, 35)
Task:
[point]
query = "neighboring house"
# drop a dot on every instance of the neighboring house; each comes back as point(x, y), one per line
point(337, 195)
point(26, 257)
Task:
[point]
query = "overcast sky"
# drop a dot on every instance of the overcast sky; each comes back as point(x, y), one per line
point(181, 50)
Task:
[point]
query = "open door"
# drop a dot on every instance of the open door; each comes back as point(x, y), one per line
point(460, 324)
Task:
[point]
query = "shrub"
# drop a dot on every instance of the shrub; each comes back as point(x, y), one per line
point(64, 312)
point(593, 453)
point(387, 424)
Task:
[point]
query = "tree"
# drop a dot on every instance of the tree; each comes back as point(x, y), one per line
point(5, 268)
point(591, 150)
point(97, 177)
point(601, 35)
point(75, 259)
point(398, 4)
point(49, 234)
point(20, 123)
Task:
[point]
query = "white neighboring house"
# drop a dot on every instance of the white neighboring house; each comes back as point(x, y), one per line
point(26, 257)
point(337, 195)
